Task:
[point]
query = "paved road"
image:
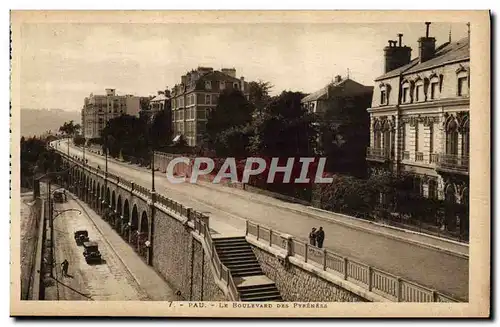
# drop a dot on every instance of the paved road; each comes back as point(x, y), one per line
point(109, 280)
point(430, 267)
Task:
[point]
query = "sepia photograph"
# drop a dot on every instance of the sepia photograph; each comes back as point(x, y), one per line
point(250, 164)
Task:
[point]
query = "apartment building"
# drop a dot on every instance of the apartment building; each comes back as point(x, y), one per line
point(196, 95)
point(99, 109)
point(419, 119)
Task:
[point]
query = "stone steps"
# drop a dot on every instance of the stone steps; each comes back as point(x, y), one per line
point(262, 292)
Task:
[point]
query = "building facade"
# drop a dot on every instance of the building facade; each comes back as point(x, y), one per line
point(419, 119)
point(196, 95)
point(158, 103)
point(99, 109)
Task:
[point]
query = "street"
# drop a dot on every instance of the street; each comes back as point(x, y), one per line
point(109, 280)
point(430, 267)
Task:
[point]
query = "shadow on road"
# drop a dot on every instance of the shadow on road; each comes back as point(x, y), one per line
point(71, 288)
point(102, 262)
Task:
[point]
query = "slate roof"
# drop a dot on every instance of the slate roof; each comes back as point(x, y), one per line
point(160, 97)
point(447, 52)
point(352, 86)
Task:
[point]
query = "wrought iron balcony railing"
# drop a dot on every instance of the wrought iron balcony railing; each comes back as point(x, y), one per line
point(379, 154)
point(453, 162)
point(419, 156)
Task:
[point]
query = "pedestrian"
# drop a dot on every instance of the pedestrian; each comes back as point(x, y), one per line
point(312, 237)
point(65, 265)
point(320, 237)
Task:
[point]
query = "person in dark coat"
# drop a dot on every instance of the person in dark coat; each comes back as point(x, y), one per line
point(312, 237)
point(65, 265)
point(320, 237)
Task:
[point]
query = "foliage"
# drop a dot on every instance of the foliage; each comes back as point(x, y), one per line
point(259, 95)
point(127, 135)
point(79, 140)
point(344, 134)
point(36, 159)
point(161, 129)
point(227, 129)
point(70, 128)
point(285, 128)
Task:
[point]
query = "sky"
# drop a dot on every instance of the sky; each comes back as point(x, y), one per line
point(63, 63)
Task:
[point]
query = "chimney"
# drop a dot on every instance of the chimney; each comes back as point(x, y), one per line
point(184, 79)
point(338, 78)
point(229, 71)
point(242, 82)
point(426, 45)
point(396, 55)
point(167, 93)
point(161, 92)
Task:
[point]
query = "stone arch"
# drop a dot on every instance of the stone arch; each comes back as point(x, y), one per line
point(451, 129)
point(449, 193)
point(108, 197)
point(134, 219)
point(123, 225)
point(464, 196)
point(144, 228)
point(113, 201)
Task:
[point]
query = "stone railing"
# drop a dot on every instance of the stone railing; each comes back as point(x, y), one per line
point(389, 286)
point(200, 221)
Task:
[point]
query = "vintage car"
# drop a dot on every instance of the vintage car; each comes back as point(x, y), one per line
point(60, 196)
point(81, 236)
point(91, 252)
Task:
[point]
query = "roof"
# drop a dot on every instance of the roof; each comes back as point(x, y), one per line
point(345, 86)
point(160, 97)
point(447, 52)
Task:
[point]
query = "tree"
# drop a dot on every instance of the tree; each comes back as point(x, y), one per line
point(285, 128)
point(161, 129)
point(344, 134)
point(228, 124)
point(70, 128)
point(127, 135)
point(259, 95)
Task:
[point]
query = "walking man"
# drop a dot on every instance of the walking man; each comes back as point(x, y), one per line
point(312, 237)
point(320, 237)
point(65, 265)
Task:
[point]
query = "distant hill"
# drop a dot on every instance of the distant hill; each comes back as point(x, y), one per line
point(39, 121)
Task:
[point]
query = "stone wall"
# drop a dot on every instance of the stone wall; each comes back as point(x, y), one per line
point(181, 260)
point(297, 284)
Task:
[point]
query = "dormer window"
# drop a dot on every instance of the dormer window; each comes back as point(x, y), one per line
point(405, 92)
point(208, 85)
point(384, 94)
point(222, 85)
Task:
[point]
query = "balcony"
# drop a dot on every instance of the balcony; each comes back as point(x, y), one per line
point(433, 158)
point(419, 156)
point(406, 155)
point(378, 154)
point(453, 163)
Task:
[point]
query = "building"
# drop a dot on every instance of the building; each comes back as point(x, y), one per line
point(99, 109)
point(419, 119)
point(319, 101)
point(198, 93)
point(344, 138)
point(158, 103)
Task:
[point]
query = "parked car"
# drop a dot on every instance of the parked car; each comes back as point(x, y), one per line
point(60, 196)
point(91, 252)
point(81, 236)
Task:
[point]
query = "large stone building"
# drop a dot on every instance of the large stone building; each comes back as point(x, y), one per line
point(419, 119)
point(198, 93)
point(99, 109)
point(158, 103)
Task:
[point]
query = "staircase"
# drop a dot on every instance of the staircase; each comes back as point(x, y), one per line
point(237, 255)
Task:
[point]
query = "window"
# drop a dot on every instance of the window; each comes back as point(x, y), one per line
point(235, 86)
point(383, 97)
point(418, 90)
point(432, 189)
point(452, 137)
point(434, 88)
point(406, 94)
point(463, 89)
point(200, 114)
point(403, 136)
point(222, 85)
point(208, 85)
point(207, 99)
point(431, 138)
point(416, 138)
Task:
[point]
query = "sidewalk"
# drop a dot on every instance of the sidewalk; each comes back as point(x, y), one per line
point(147, 278)
point(421, 239)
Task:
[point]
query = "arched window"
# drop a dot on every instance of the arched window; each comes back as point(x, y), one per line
point(434, 87)
point(419, 90)
point(377, 135)
point(465, 137)
point(387, 134)
point(406, 92)
point(462, 81)
point(452, 137)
